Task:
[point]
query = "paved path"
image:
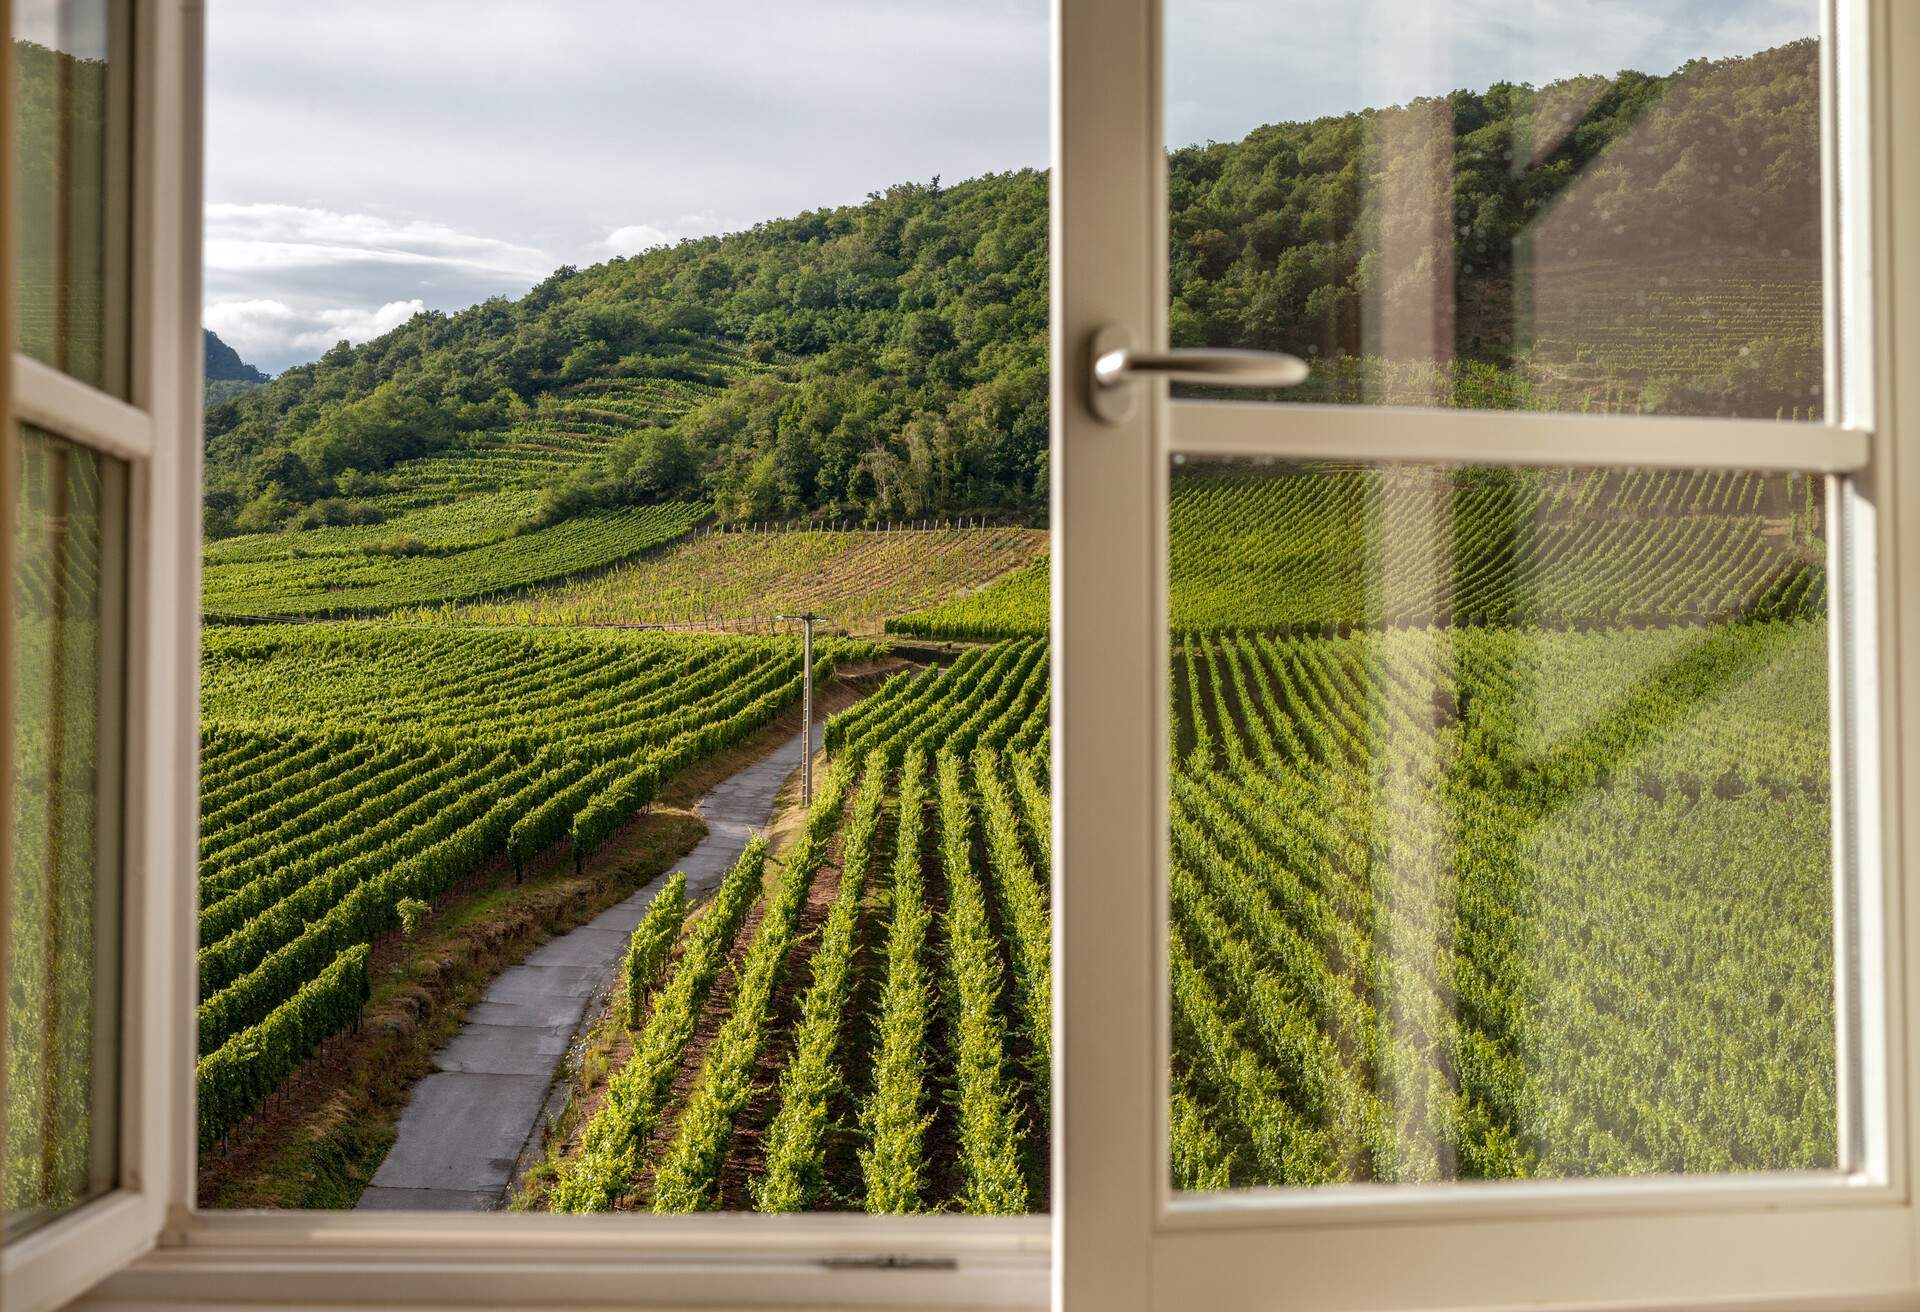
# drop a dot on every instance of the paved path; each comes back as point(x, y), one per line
point(465, 1125)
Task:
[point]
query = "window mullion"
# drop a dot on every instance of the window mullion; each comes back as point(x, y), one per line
point(52, 400)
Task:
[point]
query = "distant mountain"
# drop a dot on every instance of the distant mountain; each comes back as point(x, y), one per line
point(228, 375)
point(224, 363)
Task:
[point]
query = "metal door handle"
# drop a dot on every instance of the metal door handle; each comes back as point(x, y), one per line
point(1116, 364)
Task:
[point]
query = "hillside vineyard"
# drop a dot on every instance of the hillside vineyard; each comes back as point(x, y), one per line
point(1658, 253)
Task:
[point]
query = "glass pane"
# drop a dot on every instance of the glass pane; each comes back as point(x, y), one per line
point(69, 72)
point(1504, 205)
point(1501, 824)
point(63, 927)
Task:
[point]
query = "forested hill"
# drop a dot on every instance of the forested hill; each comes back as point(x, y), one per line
point(888, 359)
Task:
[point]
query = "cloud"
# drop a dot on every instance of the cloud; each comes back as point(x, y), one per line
point(357, 325)
point(364, 152)
point(636, 237)
point(284, 282)
point(259, 237)
point(271, 333)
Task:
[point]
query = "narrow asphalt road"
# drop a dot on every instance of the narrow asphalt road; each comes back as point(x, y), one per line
point(465, 1125)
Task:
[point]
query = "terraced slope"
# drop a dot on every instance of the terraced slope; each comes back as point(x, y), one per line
point(461, 525)
point(857, 577)
point(373, 580)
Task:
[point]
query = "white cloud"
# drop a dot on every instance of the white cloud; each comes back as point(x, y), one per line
point(358, 325)
point(271, 331)
point(634, 238)
point(285, 282)
point(637, 237)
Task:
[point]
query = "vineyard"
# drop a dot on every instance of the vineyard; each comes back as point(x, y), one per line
point(1416, 711)
point(1317, 549)
point(464, 524)
point(861, 977)
point(439, 528)
point(1621, 336)
point(376, 579)
point(347, 767)
point(857, 577)
point(1439, 915)
point(1392, 955)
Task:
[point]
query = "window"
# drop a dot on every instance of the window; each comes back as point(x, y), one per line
point(1439, 923)
point(1772, 523)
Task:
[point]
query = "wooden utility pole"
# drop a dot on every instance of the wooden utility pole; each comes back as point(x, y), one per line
point(806, 622)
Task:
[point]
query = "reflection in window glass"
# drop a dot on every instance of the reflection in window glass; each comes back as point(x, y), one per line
point(62, 974)
point(1481, 209)
point(1501, 824)
point(67, 76)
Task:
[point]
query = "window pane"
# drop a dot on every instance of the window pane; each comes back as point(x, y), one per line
point(62, 985)
point(1501, 824)
point(1507, 205)
point(69, 70)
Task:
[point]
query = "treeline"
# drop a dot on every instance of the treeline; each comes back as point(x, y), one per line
point(1309, 237)
point(896, 350)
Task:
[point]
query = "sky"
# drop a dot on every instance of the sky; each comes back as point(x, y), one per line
point(367, 159)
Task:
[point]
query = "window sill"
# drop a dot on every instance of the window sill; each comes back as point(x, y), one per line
point(389, 1260)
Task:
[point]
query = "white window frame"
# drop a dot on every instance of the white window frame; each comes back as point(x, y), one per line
point(1117, 1244)
point(159, 199)
point(1777, 1240)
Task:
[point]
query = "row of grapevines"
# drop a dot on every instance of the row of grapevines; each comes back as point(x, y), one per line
point(988, 1117)
point(895, 1115)
point(688, 1177)
point(608, 1162)
point(1027, 919)
point(237, 1076)
point(652, 943)
point(794, 1175)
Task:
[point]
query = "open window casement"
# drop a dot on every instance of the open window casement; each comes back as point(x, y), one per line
point(101, 228)
point(1830, 1223)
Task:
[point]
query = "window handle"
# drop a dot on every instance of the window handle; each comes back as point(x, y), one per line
point(1116, 364)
